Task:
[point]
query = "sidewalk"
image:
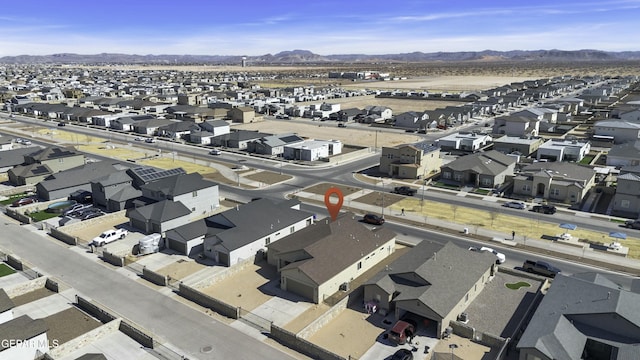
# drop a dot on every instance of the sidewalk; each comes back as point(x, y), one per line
point(546, 247)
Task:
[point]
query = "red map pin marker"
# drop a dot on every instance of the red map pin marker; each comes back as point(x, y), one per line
point(334, 209)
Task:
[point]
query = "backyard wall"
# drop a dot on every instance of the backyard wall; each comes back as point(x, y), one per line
point(207, 301)
point(303, 346)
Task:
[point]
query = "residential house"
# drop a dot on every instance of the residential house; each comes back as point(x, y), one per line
point(243, 114)
point(159, 217)
point(177, 130)
point(626, 154)
point(237, 139)
point(410, 161)
point(23, 338)
point(44, 162)
point(150, 127)
point(216, 127)
point(347, 115)
point(200, 196)
point(273, 145)
point(516, 126)
point(381, 112)
point(563, 150)
point(312, 150)
point(622, 131)
point(63, 183)
point(432, 281)
point(240, 233)
point(15, 157)
point(484, 169)
point(626, 201)
point(319, 259)
point(471, 142)
point(517, 144)
point(114, 191)
point(631, 115)
point(583, 316)
point(6, 143)
point(411, 120)
point(555, 181)
point(6, 307)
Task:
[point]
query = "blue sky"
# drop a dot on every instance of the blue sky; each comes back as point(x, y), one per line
point(212, 27)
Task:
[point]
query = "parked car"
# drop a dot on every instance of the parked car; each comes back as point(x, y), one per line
point(139, 138)
point(24, 201)
point(91, 215)
point(402, 331)
point(62, 123)
point(540, 268)
point(26, 142)
point(500, 257)
point(515, 205)
point(150, 140)
point(76, 208)
point(215, 152)
point(373, 219)
point(546, 209)
point(402, 354)
point(342, 125)
point(632, 224)
point(109, 236)
point(404, 190)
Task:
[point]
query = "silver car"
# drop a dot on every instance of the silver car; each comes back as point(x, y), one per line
point(515, 205)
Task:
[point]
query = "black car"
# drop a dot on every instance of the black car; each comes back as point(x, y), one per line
point(373, 219)
point(62, 123)
point(402, 354)
point(545, 209)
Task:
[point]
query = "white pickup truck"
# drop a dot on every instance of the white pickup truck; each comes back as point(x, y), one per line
point(109, 236)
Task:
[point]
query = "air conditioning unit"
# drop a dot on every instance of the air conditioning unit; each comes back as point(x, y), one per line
point(463, 317)
point(344, 286)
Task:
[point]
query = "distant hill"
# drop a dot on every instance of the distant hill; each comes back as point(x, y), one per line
point(308, 57)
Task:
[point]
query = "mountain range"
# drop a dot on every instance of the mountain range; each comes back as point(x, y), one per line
point(308, 57)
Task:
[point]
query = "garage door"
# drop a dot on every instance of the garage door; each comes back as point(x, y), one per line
point(301, 289)
point(177, 246)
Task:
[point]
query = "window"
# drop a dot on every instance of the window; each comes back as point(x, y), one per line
point(267, 241)
point(359, 265)
point(457, 177)
point(446, 175)
point(526, 187)
point(486, 181)
point(292, 230)
point(466, 298)
point(625, 204)
point(555, 192)
point(194, 194)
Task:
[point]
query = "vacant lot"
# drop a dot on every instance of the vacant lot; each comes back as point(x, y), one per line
point(329, 130)
point(397, 105)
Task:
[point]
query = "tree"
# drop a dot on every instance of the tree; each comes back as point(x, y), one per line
point(493, 215)
point(454, 209)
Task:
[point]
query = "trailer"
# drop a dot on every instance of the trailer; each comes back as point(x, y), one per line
point(150, 244)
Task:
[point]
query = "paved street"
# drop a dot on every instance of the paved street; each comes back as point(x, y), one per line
point(183, 327)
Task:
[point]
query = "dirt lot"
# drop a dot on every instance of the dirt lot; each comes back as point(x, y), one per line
point(268, 177)
point(349, 334)
point(32, 296)
point(181, 269)
point(69, 324)
point(444, 83)
point(397, 105)
point(243, 289)
point(86, 232)
point(328, 130)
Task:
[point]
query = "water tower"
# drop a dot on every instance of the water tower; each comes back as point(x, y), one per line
point(244, 61)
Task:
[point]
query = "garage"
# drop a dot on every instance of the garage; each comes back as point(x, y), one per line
point(300, 289)
point(426, 326)
point(177, 245)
